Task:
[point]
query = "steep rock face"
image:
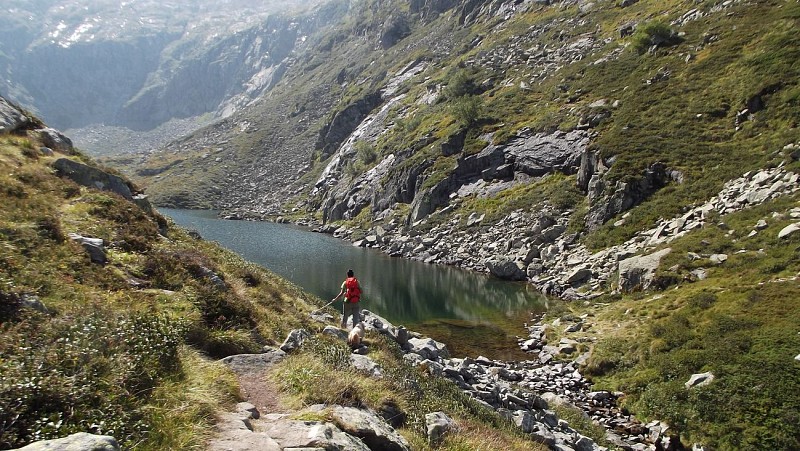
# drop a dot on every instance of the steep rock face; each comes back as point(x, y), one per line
point(429, 9)
point(607, 202)
point(530, 154)
point(223, 76)
point(345, 122)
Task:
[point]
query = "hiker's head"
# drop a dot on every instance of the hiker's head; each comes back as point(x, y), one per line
point(350, 273)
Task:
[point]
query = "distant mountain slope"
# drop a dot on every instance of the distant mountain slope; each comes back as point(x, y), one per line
point(141, 64)
point(645, 84)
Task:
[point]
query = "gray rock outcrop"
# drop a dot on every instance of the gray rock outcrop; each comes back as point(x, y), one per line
point(345, 122)
point(244, 363)
point(699, 380)
point(92, 177)
point(555, 262)
point(506, 269)
point(437, 425)
point(369, 427)
point(93, 246)
point(789, 230)
point(80, 441)
point(294, 340)
point(366, 365)
point(293, 434)
point(638, 272)
point(54, 140)
point(11, 117)
point(623, 195)
point(235, 432)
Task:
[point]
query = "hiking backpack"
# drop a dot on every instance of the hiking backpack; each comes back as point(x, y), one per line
point(353, 293)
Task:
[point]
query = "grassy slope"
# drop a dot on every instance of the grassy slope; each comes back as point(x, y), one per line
point(110, 354)
point(129, 349)
point(741, 323)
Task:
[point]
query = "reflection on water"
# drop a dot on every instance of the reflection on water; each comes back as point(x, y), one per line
point(471, 312)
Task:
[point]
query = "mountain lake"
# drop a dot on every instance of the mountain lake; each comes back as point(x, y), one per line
point(473, 314)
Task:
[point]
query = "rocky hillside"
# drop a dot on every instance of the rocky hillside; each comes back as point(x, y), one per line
point(593, 149)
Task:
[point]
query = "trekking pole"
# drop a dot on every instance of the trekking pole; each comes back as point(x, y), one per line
point(329, 303)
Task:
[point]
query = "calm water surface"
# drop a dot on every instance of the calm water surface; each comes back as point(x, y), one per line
point(472, 313)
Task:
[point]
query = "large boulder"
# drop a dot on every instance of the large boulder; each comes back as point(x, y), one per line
point(294, 340)
point(699, 380)
point(366, 365)
point(428, 348)
point(506, 269)
point(254, 363)
point(235, 432)
point(437, 425)
point(92, 177)
point(11, 117)
point(637, 273)
point(80, 441)
point(310, 435)
point(789, 230)
point(93, 246)
point(369, 427)
point(55, 140)
point(544, 153)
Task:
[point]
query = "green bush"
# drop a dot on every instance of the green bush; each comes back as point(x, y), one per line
point(459, 85)
point(702, 300)
point(93, 374)
point(654, 34)
point(467, 109)
point(365, 152)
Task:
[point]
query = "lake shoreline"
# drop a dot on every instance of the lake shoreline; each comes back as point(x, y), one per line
point(438, 300)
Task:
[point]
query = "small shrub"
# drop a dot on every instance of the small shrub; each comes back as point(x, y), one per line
point(92, 375)
point(675, 330)
point(654, 34)
point(221, 309)
point(467, 109)
point(219, 344)
point(702, 300)
point(50, 227)
point(365, 152)
point(459, 85)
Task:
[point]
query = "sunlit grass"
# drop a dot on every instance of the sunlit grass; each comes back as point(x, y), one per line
point(184, 411)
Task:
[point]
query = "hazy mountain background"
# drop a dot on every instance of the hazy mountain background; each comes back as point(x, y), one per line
point(113, 73)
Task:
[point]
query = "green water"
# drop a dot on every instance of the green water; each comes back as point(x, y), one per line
point(472, 313)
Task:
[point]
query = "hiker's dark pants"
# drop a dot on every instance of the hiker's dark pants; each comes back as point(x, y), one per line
point(351, 309)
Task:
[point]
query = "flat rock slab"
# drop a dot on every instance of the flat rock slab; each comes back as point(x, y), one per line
point(244, 441)
point(310, 434)
point(252, 363)
point(370, 428)
point(81, 441)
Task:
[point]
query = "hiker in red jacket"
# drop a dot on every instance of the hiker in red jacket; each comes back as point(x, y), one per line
point(352, 294)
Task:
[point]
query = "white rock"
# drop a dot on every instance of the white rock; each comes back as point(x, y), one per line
point(788, 230)
point(699, 380)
